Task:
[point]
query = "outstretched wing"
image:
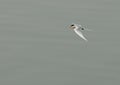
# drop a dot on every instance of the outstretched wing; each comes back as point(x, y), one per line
point(80, 34)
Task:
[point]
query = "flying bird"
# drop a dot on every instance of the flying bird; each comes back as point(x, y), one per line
point(77, 29)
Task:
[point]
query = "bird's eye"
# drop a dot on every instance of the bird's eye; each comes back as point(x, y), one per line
point(72, 25)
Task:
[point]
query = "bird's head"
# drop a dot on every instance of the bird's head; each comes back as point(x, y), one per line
point(72, 26)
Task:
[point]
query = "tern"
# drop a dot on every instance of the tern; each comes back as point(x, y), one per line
point(77, 29)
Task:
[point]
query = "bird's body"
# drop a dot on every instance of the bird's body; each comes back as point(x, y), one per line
point(77, 29)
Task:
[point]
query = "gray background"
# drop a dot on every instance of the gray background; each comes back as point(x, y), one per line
point(38, 48)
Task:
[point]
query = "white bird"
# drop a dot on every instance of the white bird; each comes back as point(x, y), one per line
point(77, 29)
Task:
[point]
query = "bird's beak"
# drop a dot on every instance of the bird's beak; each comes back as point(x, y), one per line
point(70, 27)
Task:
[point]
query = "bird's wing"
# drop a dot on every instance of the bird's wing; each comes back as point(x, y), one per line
point(78, 26)
point(80, 34)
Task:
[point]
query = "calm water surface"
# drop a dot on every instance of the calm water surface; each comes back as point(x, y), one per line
point(38, 48)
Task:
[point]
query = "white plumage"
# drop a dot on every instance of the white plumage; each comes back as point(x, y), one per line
point(77, 29)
